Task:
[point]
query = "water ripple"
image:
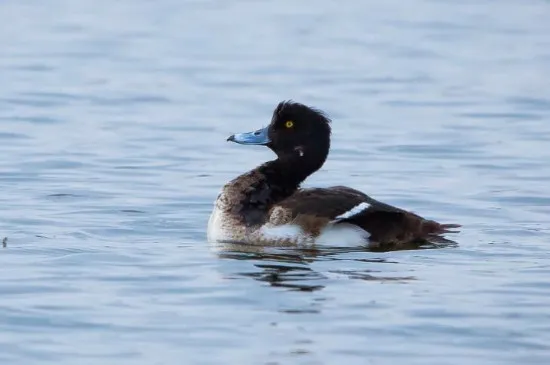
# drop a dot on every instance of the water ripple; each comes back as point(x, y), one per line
point(113, 119)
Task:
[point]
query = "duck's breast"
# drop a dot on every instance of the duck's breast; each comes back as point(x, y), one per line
point(215, 231)
point(223, 226)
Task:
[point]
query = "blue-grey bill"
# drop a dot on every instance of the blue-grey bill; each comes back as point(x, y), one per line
point(258, 137)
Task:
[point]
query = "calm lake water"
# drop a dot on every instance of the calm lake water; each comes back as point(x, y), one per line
point(113, 120)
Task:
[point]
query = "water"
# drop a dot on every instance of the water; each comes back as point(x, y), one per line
point(113, 119)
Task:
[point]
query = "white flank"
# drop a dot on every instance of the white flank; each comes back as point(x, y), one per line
point(343, 235)
point(283, 232)
point(353, 211)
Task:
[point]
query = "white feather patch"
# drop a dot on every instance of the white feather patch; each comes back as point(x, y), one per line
point(353, 211)
point(283, 232)
point(343, 235)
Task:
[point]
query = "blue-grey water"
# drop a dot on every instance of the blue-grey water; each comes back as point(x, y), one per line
point(113, 120)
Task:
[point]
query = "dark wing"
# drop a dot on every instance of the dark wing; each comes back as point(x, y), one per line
point(327, 203)
point(389, 224)
point(332, 202)
point(315, 208)
point(365, 198)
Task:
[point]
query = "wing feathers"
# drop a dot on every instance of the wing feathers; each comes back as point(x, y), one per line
point(352, 212)
point(313, 209)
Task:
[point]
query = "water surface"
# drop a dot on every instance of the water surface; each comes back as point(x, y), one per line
point(113, 119)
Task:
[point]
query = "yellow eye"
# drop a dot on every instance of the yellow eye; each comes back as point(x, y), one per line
point(289, 124)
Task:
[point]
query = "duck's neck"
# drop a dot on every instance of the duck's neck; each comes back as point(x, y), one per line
point(287, 173)
point(254, 193)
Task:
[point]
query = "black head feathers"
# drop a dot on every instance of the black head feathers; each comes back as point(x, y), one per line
point(305, 115)
point(299, 129)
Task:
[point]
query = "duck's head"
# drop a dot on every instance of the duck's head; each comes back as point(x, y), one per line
point(295, 131)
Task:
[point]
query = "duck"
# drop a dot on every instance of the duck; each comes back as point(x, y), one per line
point(267, 206)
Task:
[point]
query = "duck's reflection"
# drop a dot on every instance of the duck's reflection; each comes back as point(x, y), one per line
point(291, 268)
point(288, 270)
